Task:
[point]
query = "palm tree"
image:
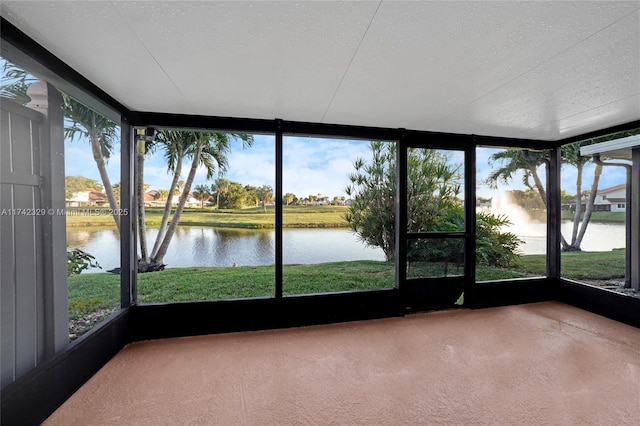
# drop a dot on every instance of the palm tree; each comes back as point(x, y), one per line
point(207, 149)
point(513, 161)
point(571, 155)
point(15, 82)
point(161, 194)
point(116, 190)
point(220, 187)
point(289, 197)
point(175, 147)
point(202, 194)
point(265, 194)
point(144, 145)
point(101, 133)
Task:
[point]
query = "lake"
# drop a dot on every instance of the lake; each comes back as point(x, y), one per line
point(206, 246)
point(598, 237)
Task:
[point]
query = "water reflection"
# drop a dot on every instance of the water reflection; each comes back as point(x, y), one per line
point(204, 246)
point(599, 236)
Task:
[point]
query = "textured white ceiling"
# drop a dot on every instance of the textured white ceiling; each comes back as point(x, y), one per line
point(540, 70)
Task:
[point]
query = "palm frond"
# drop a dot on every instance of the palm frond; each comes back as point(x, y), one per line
point(87, 123)
point(15, 82)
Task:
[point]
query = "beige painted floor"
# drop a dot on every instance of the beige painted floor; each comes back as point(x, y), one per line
point(537, 364)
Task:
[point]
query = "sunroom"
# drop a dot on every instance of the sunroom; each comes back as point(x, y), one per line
point(319, 212)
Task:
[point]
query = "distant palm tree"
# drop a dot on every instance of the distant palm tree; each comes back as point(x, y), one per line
point(161, 194)
point(289, 197)
point(265, 195)
point(116, 190)
point(202, 194)
point(220, 187)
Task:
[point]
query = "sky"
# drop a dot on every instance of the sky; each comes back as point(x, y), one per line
point(311, 166)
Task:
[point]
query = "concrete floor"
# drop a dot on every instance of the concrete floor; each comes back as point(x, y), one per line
point(537, 364)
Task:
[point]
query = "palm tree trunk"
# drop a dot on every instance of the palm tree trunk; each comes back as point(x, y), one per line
point(108, 189)
point(576, 216)
point(539, 186)
point(590, 205)
point(142, 226)
point(167, 209)
point(159, 257)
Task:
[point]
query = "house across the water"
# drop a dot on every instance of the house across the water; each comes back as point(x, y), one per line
point(612, 199)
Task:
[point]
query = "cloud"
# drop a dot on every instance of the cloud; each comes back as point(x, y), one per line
point(157, 176)
point(311, 166)
point(78, 161)
point(256, 165)
point(314, 166)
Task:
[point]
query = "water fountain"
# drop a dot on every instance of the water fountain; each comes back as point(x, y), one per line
point(532, 233)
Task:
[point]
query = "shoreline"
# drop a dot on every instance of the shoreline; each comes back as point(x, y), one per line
point(256, 226)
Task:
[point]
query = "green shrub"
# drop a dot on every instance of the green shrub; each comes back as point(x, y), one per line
point(495, 248)
point(78, 261)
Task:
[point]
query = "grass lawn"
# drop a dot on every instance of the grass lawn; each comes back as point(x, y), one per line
point(254, 217)
point(100, 292)
point(609, 217)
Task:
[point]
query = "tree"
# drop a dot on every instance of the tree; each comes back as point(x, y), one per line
point(235, 196)
point(80, 183)
point(565, 197)
point(571, 155)
point(207, 149)
point(161, 195)
point(265, 195)
point(289, 198)
point(101, 133)
point(15, 82)
point(431, 189)
point(516, 160)
point(528, 200)
point(220, 187)
point(145, 144)
point(513, 161)
point(116, 190)
point(85, 123)
point(252, 198)
point(175, 148)
point(202, 194)
point(433, 185)
point(373, 190)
